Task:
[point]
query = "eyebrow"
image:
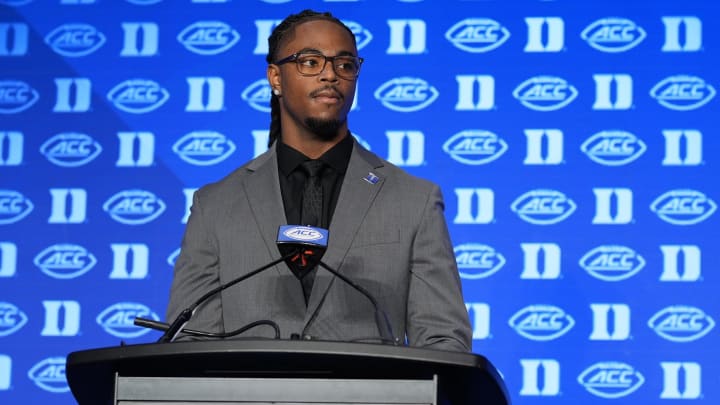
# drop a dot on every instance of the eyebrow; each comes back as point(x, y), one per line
point(313, 50)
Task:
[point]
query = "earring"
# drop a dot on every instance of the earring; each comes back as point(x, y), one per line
point(276, 92)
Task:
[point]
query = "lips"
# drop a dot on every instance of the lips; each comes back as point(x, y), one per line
point(328, 93)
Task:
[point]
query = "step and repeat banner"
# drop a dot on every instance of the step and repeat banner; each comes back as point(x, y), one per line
point(576, 144)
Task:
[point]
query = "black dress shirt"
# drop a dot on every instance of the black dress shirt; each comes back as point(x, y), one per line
point(292, 179)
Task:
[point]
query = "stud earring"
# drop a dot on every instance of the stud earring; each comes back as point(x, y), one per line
point(276, 92)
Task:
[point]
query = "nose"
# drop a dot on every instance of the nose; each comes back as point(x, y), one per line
point(328, 73)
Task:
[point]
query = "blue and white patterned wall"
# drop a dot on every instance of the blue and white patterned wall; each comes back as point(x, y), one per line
point(576, 144)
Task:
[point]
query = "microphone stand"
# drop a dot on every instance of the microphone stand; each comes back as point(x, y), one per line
point(381, 320)
point(172, 331)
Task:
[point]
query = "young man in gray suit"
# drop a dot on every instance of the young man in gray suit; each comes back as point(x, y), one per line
point(387, 228)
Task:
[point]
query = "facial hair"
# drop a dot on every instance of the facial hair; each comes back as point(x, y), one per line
point(325, 129)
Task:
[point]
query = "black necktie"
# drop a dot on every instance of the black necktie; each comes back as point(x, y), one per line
point(311, 214)
point(312, 202)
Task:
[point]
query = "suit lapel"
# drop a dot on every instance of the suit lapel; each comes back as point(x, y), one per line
point(262, 189)
point(358, 192)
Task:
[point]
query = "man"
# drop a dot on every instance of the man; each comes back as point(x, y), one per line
point(387, 229)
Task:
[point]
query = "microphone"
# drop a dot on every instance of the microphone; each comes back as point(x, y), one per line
point(304, 246)
point(173, 330)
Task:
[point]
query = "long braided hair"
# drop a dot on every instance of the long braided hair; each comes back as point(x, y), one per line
point(278, 35)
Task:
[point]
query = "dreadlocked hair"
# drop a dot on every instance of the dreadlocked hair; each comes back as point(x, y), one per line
point(280, 32)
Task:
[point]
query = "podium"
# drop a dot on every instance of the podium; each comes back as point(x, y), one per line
point(281, 372)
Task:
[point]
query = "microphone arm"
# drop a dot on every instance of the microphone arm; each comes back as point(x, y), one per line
point(381, 320)
point(172, 331)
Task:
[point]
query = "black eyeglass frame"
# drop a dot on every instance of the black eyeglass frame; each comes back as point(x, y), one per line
point(294, 57)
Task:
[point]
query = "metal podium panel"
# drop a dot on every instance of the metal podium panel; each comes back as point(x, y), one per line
point(285, 391)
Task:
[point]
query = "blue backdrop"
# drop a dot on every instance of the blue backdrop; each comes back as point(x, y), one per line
point(575, 142)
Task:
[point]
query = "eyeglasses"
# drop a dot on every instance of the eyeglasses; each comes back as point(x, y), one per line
point(312, 64)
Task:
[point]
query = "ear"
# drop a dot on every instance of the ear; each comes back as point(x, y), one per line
point(273, 77)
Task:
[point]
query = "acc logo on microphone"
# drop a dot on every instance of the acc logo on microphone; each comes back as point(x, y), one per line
point(683, 92)
point(302, 234)
point(362, 35)
point(11, 319)
point(49, 375)
point(613, 148)
point(70, 149)
point(477, 35)
point(13, 206)
point(65, 261)
point(541, 322)
point(613, 34)
point(118, 319)
point(543, 207)
point(208, 37)
point(138, 96)
point(257, 95)
point(475, 147)
point(612, 262)
point(406, 94)
point(134, 207)
point(683, 207)
point(204, 148)
point(681, 323)
point(611, 379)
point(74, 40)
point(16, 96)
point(545, 93)
point(476, 261)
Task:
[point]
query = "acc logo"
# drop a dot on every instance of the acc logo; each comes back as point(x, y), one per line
point(613, 148)
point(406, 94)
point(611, 379)
point(612, 262)
point(258, 95)
point(477, 35)
point(475, 147)
point(683, 207)
point(545, 93)
point(118, 319)
point(75, 39)
point(362, 35)
point(681, 323)
point(613, 34)
point(138, 96)
point(204, 148)
point(682, 92)
point(541, 322)
point(134, 207)
point(303, 233)
point(543, 207)
point(16, 96)
point(70, 149)
point(476, 261)
point(13, 206)
point(208, 37)
point(11, 319)
point(49, 375)
point(65, 261)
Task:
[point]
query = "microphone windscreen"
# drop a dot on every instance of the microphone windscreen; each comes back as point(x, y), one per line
point(308, 243)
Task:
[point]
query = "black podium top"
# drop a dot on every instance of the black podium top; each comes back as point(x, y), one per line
point(463, 378)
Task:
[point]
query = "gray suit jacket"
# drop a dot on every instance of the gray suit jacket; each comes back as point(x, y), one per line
point(390, 237)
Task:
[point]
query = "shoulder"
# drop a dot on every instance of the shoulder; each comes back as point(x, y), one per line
point(230, 186)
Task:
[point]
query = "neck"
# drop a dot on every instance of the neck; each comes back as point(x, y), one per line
point(309, 144)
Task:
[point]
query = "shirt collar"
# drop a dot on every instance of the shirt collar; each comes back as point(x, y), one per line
point(337, 157)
